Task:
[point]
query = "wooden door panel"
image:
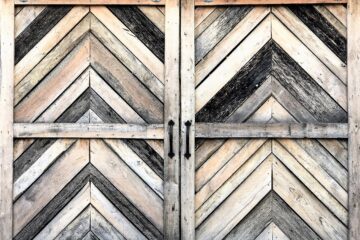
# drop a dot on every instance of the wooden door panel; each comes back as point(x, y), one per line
point(270, 65)
point(270, 61)
point(248, 186)
point(61, 185)
point(98, 66)
point(82, 64)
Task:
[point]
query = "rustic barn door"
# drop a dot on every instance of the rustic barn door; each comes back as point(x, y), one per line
point(100, 139)
point(101, 72)
point(264, 148)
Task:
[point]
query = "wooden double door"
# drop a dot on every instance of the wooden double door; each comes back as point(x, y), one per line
point(138, 122)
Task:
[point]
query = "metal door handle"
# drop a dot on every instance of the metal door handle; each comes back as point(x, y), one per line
point(171, 153)
point(187, 152)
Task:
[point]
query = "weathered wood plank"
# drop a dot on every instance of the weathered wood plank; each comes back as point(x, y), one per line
point(300, 168)
point(311, 41)
point(54, 84)
point(172, 113)
point(80, 130)
point(162, 2)
point(207, 202)
point(78, 228)
point(142, 28)
point(263, 2)
point(306, 205)
point(49, 62)
point(50, 184)
point(125, 206)
point(129, 40)
point(66, 215)
point(90, 2)
point(237, 205)
point(354, 117)
point(231, 65)
point(187, 172)
point(137, 165)
point(6, 117)
point(147, 105)
point(24, 18)
point(114, 216)
point(127, 182)
point(218, 29)
point(203, 130)
point(271, 130)
point(102, 228)
point(231, 40)
point(309, 62)
point(44, 161)
point(54, 36)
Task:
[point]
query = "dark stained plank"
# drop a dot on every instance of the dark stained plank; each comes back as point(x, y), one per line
point(78, 228)
point(77, 109)
point(90, 236)
point(272, 209)
point(30, 156)
point(148, 155)
point(102, 228)
point(327, 162)
point(305, 89)
point(124, 205)
point(254, 223)
point(322, 28)
point(103, 110)
point(290, 223)
point(142, 27)
point(125, 84)
point(238, 89)
point(41, 25)
point(54, 206)
point(218, 30)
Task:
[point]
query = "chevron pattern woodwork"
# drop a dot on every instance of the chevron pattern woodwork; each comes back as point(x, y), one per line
point(272, 189)
point(112, 189)
point(89, 64)
point(282, 64)
point(271, 59)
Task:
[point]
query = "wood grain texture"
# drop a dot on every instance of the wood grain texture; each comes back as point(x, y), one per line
point(172, 113)
point(89, 2)
point(275, 130)
point(6, 120)
point(304, 189)
point(264, 2)
point(354, 118)
point(278, 44)
point(93, 68)
point(78, 130)
point(187, 164)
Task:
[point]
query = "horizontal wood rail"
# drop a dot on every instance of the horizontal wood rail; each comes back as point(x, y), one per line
point(89, 2)
point(202, 130)
point(80, 130)
point(263, 2)
point(275, 130)
point(162, 2)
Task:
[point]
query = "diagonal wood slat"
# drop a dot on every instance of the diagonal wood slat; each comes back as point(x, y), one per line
point(282, 43)
point(92, 66)
point(91, 41)
point(304, 192)
point(277, 66)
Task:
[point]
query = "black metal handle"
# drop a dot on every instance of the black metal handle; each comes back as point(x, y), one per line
point(187, 152)
point(171, 124)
